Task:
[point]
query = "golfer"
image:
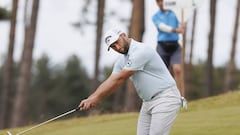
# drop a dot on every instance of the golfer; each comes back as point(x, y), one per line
point(152, 80)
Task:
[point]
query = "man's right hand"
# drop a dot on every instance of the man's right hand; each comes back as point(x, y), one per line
point(181, 29)
point(88, 103)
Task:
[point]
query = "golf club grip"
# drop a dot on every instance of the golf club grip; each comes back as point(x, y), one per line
point(78, 108)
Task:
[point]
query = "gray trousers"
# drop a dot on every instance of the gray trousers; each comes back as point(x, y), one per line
point(157, 116)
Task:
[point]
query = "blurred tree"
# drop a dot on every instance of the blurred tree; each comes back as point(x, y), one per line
point(230, 71)
point(189, 66)
point(41, 85)
point(218, 78)
point(86, 20)
point(8, 70)
point(77, 81)
point(100, 17)
point(84, 16)
point(1, 81)
point(70, 86)
point(4, 14)
point(197, 83)
point(209, 64)
point(132, 102)
point(181, 83)
point(18, 117)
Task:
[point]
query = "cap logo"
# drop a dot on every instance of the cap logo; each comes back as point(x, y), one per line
point(107, 39)
point(118, 32)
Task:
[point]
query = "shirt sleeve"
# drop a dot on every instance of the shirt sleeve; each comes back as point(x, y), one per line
point(118, 66)
point(165, 28)
point(155, 20)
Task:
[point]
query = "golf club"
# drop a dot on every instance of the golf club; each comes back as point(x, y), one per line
point(64, 114)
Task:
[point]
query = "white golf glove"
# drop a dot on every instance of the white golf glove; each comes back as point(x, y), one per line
point(184, 103)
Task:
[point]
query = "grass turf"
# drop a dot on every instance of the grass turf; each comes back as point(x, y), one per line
point(218, 115)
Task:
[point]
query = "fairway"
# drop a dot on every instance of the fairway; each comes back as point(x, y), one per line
point(218, 115)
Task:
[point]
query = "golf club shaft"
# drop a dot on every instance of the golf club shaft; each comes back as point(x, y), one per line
point(49, 121)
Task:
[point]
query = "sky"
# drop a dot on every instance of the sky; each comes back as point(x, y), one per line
point(59, 39)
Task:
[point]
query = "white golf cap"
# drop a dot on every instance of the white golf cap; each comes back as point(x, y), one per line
point(112, 36)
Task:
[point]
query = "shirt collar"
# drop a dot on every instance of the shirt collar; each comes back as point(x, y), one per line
point(132, 46)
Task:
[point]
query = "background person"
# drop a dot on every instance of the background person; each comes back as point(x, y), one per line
point(151, 78)
point(168, 48)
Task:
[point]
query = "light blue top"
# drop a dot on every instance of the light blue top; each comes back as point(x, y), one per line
point(169, 18)
point(151, 76)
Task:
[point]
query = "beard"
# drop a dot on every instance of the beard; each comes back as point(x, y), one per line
point(125, 47)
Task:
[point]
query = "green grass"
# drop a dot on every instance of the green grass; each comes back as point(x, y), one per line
point(218, 115)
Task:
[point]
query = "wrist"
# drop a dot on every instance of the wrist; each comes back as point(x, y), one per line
point(174, 30)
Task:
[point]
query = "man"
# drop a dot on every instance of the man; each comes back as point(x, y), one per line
point(152, 80)
point(168, 47)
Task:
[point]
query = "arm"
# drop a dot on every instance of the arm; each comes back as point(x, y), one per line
point(106, 88)
point(164, 25)
point(169, 29)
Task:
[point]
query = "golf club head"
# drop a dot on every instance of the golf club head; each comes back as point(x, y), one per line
point(9, 133)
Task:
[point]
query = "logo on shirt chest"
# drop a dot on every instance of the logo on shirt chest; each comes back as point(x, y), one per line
point(129, 63)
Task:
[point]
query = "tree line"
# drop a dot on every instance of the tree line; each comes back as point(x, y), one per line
point(34, 90)
point(58, 88)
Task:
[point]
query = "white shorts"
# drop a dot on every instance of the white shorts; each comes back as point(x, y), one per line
point(157, 116)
